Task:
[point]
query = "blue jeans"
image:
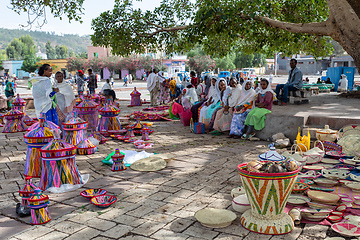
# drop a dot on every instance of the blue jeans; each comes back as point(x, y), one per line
point(287, 88)
point(91, 90)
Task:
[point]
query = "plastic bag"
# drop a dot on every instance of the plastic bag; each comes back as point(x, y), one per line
point(69, 187)
point(304, 140)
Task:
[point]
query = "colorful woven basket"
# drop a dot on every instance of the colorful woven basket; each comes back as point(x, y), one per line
point(75, 130)
point(135, 98)
point(19, 104)
point(109, 120)
point(87, 111)
point(103, 201)
point(36, 139)
point(330, 146)
point(86, 147)
point(99, 137)
point(39, 208)
point(14, 122)
point(47, 124)
point(93, 192)
point(59, 165)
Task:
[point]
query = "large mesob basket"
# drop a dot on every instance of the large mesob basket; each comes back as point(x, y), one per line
point(268, 194)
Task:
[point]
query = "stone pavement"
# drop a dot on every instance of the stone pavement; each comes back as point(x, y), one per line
point(154, 205)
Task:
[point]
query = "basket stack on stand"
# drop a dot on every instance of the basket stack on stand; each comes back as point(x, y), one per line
point(22, 209)
point(87, 110)
point(74, 130)
point(39, 208)
point(14, 122)
point(36, 139)
point(109, 122)
point(19, 104)
point(135, 98)
point(59, 166)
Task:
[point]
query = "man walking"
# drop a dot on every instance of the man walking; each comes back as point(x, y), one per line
point(294, 83)
point(92, 84)
point(153, 85)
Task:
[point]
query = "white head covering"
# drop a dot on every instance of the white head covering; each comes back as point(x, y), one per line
point(247, 96)
point(268, 88)
point(190, 95)
point(234, 96)
point(66, 90)
point(218, 91)
point(151, 81)
point(212, 91)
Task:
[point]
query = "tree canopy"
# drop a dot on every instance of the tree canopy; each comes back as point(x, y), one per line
point(21, 47)
point(222, 26)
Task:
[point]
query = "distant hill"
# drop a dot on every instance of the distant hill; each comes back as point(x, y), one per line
point(73, 42)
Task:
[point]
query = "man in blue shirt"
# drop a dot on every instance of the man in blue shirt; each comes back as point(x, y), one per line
point(294, 83)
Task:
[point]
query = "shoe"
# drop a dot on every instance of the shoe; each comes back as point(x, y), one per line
point(276, 103)
point(283, 104)
point(230, 136)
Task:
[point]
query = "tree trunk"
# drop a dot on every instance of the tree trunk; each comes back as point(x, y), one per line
point(345, 28)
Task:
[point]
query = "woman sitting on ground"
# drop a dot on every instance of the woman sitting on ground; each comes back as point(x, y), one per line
point(222, 121)
point(263, 105)
point(208, 109)
point(175, 92)
point(245, 104)
point(200, 89)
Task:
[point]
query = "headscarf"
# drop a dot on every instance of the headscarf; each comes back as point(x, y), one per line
point(172, 86)
point(42, 88)
point(190, 95)
point(268, 89)
point(234, 96)
point(218, 91)
point(66, 90)
point(246, 96)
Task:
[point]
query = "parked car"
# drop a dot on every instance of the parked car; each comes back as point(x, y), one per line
point(224, 74)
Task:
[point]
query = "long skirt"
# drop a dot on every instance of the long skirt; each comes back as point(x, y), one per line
point(195, 111)
point(184, 113)
point(256, 118)
point(207, 112)
point(223, 120)
point(212, 121)
point(164, 95)
point(52, 116)
point(238, 123)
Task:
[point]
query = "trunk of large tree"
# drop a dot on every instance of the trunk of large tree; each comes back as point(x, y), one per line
point(345, 28)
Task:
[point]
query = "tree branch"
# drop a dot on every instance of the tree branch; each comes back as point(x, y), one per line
point(315, 28)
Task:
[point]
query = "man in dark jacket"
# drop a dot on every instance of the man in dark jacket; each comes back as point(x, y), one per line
point(294, 82)
point(92, 84)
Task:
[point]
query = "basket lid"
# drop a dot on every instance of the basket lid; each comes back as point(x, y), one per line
point(326, 130)
point(13, 112)
point(48, 124)
point(86, 143)
point(75, 120)
point(87, 103)
point(39, 132)
point(272, 155)
point(57, 144)
point(29, 187)
point(138, 125)
point(18, 101)
point(135, 92)
point(38, 196)
point(118, 155)
point(109, 108)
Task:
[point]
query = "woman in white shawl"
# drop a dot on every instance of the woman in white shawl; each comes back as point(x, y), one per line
point(65, 98)
point(343, 83)
point(214, 102)
point(224, 116)
point(44, 94)
point(164, 95)
point(244, 106)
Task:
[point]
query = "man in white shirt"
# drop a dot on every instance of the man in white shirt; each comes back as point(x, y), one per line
point(153, 85)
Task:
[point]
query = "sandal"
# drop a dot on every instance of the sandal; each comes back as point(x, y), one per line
point(230, 136)
point(244, 136)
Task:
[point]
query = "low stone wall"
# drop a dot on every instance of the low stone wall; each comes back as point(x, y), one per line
point(281, 124)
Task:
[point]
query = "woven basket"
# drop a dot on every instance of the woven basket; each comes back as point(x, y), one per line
point(329, 146)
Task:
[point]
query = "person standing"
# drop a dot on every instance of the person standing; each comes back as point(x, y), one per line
point(153, 85)
point(44, 94)
point(65, 98)
point(92, 83)
point(125, 80)
point(9, 92)
point(294, 83)
point(80, 82)
point(130, 78)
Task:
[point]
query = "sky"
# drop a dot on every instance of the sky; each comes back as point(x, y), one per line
point(93, 8)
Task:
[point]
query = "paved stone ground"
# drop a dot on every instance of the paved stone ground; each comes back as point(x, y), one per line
point(155, 205)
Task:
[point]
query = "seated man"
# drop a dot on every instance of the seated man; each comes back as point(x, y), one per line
point(294, 83)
